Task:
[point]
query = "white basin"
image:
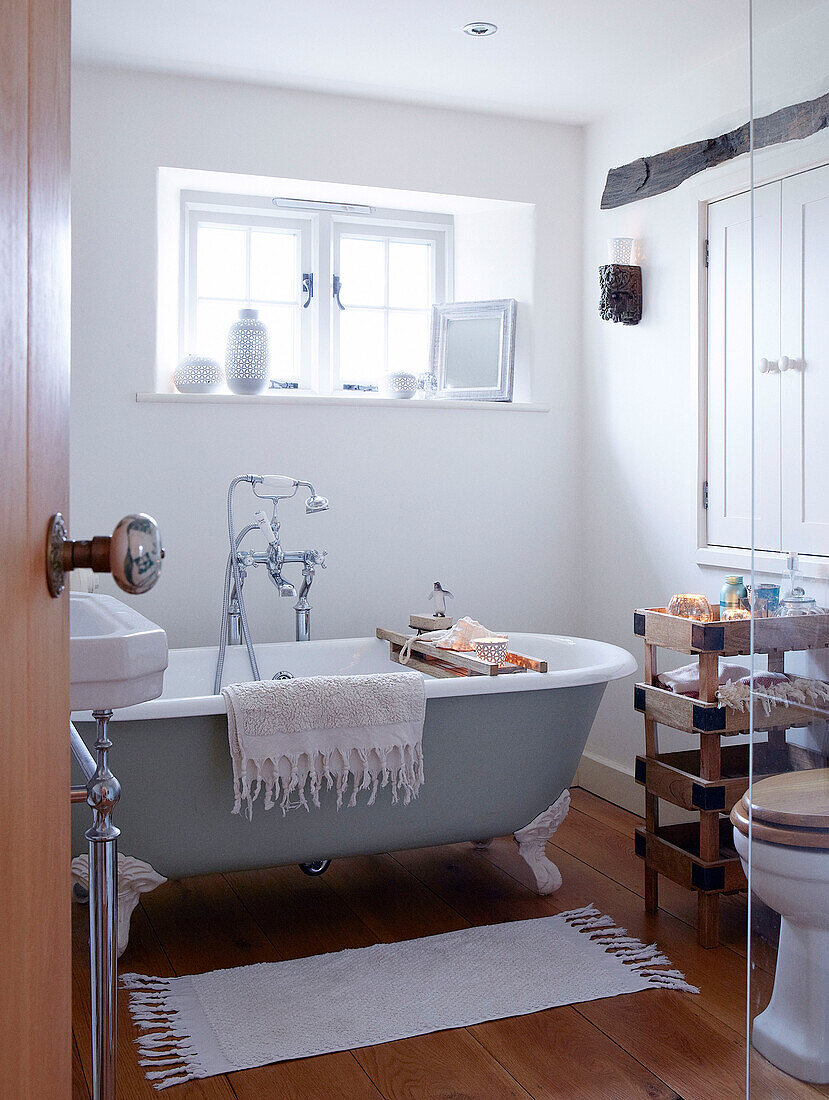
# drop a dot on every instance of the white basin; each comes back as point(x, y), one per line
point(116, 656)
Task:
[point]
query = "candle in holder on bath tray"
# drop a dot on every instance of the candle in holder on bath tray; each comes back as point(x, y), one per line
point(492, 649)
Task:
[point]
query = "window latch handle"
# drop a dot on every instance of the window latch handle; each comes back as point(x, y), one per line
point(307, 287)
point(336, 287)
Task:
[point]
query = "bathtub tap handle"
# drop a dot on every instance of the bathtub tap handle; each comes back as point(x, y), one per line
point(132, 554)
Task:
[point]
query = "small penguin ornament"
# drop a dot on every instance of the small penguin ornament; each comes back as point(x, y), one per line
point(438, 597)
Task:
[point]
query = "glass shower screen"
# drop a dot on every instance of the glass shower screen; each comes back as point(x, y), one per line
point(781, 823)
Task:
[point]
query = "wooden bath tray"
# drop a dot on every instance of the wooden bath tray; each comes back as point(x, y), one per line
point(427, 657)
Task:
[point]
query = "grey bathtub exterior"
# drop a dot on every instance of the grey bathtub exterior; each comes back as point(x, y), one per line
point(493, 763)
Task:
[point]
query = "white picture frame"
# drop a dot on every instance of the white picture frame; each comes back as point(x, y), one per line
point(472, 351)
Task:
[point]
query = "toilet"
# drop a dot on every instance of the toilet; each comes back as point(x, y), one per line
point(790, 873)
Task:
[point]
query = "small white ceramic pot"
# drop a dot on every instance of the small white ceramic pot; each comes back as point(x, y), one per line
point(400, 383)
point(198, 374)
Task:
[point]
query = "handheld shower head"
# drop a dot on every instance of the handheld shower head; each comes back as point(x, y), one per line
point(314, 503)
point(279, 487)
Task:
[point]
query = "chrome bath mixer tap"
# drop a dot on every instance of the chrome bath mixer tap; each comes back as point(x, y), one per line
point(235, 629)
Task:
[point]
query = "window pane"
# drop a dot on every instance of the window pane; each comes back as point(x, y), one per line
point(409, 341)
point(274, 267)
point(363, 272)
point(409, 274)
point(220, 270)
point(282, 322)
point(213, 319)
point(362, 346)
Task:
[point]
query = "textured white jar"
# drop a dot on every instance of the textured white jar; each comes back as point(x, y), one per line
point(247, 362)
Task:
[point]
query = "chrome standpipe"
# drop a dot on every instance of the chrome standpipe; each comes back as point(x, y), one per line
point(234, 623)
point(302, 610)
point(102, 793)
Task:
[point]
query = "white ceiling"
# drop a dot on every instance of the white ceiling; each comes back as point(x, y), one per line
point(569, 60)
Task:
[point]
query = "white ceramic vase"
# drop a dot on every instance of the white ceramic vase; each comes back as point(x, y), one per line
point(247, 363)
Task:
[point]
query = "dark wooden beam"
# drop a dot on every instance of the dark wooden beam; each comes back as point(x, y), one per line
point(649, 176)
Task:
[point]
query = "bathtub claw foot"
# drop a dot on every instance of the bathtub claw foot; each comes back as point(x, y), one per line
point(481, 845)
point(531, 841)
point(135, 877)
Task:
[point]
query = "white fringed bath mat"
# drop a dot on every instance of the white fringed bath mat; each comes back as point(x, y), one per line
point(228, 1020)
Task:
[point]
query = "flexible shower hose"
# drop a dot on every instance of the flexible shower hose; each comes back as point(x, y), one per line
point(233, 567)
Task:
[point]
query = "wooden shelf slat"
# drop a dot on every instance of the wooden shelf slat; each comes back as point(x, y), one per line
point(675, 776)
point(682, 712)
point(673, 851)
point(729, 639)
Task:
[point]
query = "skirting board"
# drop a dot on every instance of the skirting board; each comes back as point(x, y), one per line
point(615, 783)
point(611, 781)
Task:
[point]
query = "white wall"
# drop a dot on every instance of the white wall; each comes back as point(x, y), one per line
point(640, 384)
point(412, 499)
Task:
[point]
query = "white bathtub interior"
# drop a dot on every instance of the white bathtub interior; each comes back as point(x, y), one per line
point(189, 676)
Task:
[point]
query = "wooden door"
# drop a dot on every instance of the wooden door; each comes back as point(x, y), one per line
point(805, 340)
point(35, 1018)
point(731, 372)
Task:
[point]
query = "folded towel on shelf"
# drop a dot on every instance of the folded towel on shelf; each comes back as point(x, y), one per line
point(685, 680)
point(293, 736)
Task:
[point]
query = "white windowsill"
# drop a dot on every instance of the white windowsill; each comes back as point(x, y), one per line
point(737, 560)
point(355, 399)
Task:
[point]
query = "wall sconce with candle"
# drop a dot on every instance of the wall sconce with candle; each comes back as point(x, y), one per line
point(620, 283)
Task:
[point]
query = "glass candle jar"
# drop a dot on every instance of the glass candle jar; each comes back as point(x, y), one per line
point(770, 593)
point(691, 605)
point(619, 250)
point(492, 649)
point(731, 614)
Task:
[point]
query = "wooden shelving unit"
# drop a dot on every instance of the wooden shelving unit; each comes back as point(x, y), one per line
point(711, 778)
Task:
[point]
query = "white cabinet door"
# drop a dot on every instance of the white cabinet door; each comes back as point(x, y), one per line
point(731, 372)
point(805, 340)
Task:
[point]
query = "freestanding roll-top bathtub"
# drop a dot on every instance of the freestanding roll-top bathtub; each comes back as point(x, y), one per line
point(499, 755)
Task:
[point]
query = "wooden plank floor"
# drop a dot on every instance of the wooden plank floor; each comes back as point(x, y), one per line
point(659, 1044)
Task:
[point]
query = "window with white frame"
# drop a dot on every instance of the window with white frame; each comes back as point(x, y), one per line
point(346, 298)
point(387, 286)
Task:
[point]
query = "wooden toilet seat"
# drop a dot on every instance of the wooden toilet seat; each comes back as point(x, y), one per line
point(790, 809)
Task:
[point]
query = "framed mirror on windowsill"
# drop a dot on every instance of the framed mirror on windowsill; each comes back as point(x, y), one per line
point(473, 350)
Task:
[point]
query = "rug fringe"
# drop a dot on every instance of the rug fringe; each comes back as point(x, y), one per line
point(640, 957)
point(168, 1053)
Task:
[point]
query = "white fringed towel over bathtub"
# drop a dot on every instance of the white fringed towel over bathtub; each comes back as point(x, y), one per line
point(227, 1020)
point(294, 737)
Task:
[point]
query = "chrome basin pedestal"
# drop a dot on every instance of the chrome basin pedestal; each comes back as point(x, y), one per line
point(117, 659)
point(103, 793)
